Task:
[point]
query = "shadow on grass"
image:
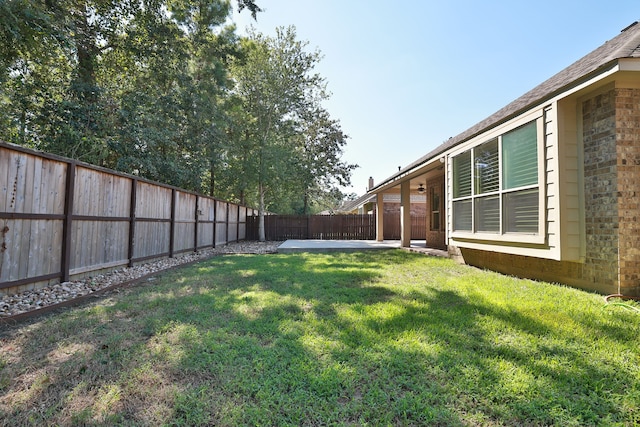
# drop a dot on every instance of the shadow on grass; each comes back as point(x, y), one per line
point(308, 340)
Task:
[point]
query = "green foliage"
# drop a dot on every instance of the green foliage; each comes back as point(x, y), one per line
point(294, 145)
point(167, 90)
point(23, 27)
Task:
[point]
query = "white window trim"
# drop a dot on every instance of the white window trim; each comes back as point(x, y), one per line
point(540, 237)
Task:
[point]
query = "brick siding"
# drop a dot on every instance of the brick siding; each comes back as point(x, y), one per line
point(600, 189)
point(628, 187)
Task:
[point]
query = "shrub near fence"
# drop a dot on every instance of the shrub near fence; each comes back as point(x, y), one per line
point(60, 218)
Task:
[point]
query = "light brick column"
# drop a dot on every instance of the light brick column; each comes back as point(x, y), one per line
point(627, 104)
point(600, 189)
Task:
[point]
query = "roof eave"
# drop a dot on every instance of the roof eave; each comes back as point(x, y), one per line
point(407, 173)
point(437, 153)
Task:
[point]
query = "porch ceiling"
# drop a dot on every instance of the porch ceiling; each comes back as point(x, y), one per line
point(416, 178)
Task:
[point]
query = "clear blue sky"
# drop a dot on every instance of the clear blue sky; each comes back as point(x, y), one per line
point(407, 75)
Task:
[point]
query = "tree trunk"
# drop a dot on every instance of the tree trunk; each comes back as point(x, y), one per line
point(305, 209)
point(212, 182)
point(261, 233)
point(86, 50)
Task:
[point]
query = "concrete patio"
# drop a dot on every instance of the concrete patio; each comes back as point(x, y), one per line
point(290, 246)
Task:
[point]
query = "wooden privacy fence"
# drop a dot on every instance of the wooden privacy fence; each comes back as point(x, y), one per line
point(392, 226)
point(333, 227)
point(328, 227)
point(60, 218)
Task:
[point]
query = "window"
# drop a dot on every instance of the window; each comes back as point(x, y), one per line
point(520, 166)
point(495, 185)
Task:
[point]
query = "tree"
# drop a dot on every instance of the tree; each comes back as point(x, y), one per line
point(93, 79)
point(171, 113)
point(320, 169)
point(270, 83)
point(250, 5)
point(24, 29)
point(294, 146)
point(164, 89)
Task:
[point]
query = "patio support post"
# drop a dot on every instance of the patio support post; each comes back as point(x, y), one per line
point(379, 217)
point(405, 214)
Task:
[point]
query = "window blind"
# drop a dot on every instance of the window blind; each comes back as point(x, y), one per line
point(520, 157)
point(462, 175)
point(487, 167)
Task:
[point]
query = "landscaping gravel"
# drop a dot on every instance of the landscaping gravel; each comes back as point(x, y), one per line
point(27, 301)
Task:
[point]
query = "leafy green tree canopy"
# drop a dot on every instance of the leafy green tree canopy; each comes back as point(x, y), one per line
point(167, 90)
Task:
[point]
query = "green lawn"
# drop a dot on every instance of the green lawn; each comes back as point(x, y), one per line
point(373, 338)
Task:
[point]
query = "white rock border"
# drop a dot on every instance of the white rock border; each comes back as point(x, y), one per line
point(28, 301)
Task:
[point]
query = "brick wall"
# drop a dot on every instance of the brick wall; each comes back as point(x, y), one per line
point(627, 104)
point(568, 273)
point(417, 209)
point(600, 189)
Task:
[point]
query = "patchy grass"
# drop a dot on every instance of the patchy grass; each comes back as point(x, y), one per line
point(374, 338)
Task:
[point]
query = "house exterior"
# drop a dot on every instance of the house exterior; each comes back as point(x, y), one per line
point(548, 187)
point(367, 205)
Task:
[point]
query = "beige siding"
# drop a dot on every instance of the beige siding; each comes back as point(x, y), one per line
point(550, 187)
point(449, 199)
point(570, 182)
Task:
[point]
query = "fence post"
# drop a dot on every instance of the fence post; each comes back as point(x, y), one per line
point(68, 220)
point(373, 221)
point(132, 220)
point(215, 221)
point(227, 225)
point(172, 224)
point(195, 232)
point(238, 225)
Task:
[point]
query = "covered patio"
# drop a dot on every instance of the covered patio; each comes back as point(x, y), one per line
point(420, 246)
point(425, 177)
